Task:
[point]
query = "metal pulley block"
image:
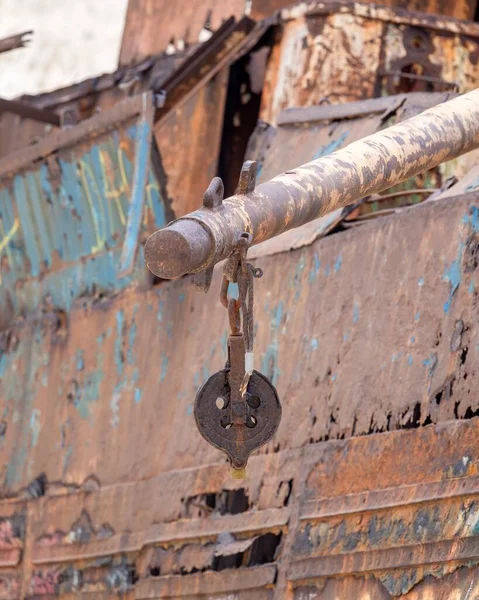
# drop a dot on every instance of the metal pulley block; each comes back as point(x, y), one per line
point(237, 411)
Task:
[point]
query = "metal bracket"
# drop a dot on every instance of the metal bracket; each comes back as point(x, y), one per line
point(247, 178)
point(212, 200)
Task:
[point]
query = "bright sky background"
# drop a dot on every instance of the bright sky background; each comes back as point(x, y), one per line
point(72, 40)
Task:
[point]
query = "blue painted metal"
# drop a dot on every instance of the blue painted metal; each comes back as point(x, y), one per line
point(63, 217)
point(142, 155)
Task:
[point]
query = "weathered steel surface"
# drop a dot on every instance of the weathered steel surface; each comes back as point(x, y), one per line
point(152, 350)
point(64, 211)
point(110, 520)
point(292, 523)
point(151, 25)
point(316, 131)
point(194, 133)
point(296, 197)
point(334, 52)
point(209, 58)
point(460, 9)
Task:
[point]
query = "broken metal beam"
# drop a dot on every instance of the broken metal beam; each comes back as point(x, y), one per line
point(29, 112)
point(20, 40)
point(200, 239)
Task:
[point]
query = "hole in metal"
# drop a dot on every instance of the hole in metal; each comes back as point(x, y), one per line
point(253, 401)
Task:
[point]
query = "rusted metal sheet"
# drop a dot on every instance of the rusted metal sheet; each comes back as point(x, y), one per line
point(113, 521)
point(394, 524)
point(389, 157)
point(352, 385)
point(334, 53)
point(83, 100)
point(319, 130)
point(194, 133)
point(461, 9)
point(65, 207)
point(151, 26)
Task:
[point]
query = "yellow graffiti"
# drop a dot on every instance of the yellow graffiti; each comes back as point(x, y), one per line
point(111, 191)
point(124, 178)
point(9, 235)
point(83, 168)
point(6, 239)
point(149, 187)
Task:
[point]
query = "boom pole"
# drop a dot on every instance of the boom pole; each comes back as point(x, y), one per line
point(199, 240)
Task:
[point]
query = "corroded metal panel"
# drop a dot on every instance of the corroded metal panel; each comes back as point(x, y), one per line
point(64, 214)
point(319, 130)
point(334, 53)
point(293, 523)
point(193, 132)
point(460, 9)
point(151, 26)
point(139, 358)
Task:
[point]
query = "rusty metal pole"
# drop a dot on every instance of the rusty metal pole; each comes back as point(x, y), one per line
point(201, 239)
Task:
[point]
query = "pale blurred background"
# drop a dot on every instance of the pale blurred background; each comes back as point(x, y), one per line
point(72, 40)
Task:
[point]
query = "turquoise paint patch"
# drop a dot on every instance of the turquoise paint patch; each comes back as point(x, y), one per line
point(3, 365)
point(136, 376)
point(338, 263)
point(224, 342)
point(35, 426)
point(189, 410)
point(417, 316)
point(119, 358)
point(159, 314)
point(420, 281)
point(196, 380)
point(327, 270)
point(296, 283)
point(181, 298)
point(314, 344)
point(431, 364)
point(278, 316)
point(164, 367)
point(137, 395)
point(331, 147)
point(115, 405)
point(453, 275)
point(355, 313)
point(269, 364)
point(472, 217)
point(346, 336)
point(80, 360)
point(313, 273)
point(470, 289)
point(233, 290)
point(334, 377)
point(413, 339)
point(131, 343)
point(88, 394)
point(66, 459)
point(409, 360)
